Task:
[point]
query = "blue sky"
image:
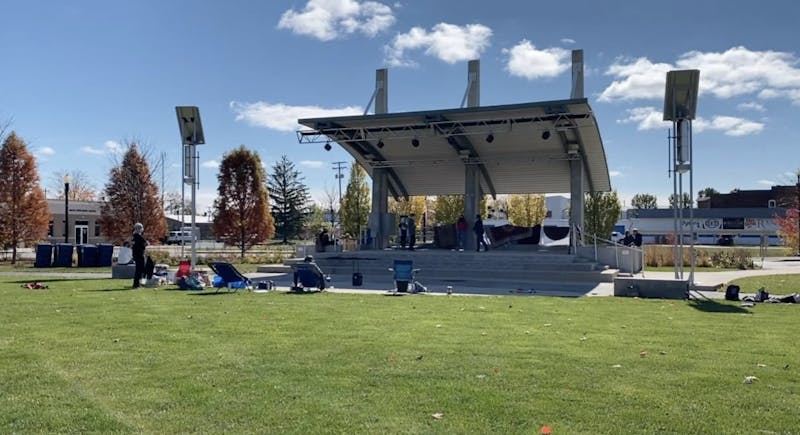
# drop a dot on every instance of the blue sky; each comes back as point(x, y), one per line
point(81, 78)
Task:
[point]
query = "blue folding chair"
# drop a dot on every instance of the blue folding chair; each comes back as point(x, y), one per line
point(404, 274)
point(230, 276)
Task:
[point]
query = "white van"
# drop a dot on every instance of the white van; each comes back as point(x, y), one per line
point(182, 236)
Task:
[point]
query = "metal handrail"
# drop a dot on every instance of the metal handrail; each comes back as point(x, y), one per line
point(616, 246)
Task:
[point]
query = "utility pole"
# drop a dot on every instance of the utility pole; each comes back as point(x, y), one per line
point(339, 167)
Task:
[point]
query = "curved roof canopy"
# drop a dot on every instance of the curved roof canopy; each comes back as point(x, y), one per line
point(519, 148)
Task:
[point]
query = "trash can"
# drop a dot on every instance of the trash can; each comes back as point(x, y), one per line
point(105, 253)
point(63, 256)
point(87, 255)
point(358, 279)
point(44, 255)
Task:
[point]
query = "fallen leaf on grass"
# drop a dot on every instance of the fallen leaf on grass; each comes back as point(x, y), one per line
point(548, 324)
point(438, 325)
point(749, 379)
point(662, 352)
point(616, 366)
point(643, 353)
point(437, 416)
point(480, 376)
point(584, 338)
point(761, 365)
point(391, 359)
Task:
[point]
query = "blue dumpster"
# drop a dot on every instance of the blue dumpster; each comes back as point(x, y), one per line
point(63, 255)
point(44, 255)
point(87, 256)
point(105, 252)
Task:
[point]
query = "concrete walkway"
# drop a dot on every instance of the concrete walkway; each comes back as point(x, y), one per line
point(383, 283)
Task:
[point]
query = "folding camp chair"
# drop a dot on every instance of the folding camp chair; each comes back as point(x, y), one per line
point(308, 277)
point(231, 277)
point(404, 274)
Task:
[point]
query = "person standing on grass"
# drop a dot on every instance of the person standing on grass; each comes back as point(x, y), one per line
point(139, 244)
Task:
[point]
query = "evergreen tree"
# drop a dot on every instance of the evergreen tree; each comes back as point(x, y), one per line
point(601, 213)
point(642, 201)
point(241, 216)
point(526, 210)
point(356, 203)
point(290, 199)
point(132, 196)
point(24, 214)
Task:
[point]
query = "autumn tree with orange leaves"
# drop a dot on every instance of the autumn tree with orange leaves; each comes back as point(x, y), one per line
point(24, 214)
point(131, 196)
point(242, 216)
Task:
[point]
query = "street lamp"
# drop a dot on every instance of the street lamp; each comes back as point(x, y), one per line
point(67, 179)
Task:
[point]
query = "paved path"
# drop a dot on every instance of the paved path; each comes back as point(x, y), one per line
point(384, 284)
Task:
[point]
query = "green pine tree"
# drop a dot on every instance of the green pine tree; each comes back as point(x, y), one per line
point(290, 199)
point(356, 203)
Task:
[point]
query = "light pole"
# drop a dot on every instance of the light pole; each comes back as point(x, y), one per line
point(67, 179)
point(798, 212)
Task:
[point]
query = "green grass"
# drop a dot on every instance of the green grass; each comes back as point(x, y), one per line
point(91, 356)
point(774, 284)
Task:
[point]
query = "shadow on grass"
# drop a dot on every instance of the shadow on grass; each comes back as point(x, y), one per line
point(46, 280)
point(712, 306)
point(203, 293)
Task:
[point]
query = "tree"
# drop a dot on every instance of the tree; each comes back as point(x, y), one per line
point(315, 222)
point(643, 201)
point(601, 212)
point(413, 205)
point(289, 199)
point(707, 192)
point(526, 210)
point(172, 204)
point(788, 229)
point(241, 216)
point(686, 203)
point(132, 196)
point(356, 203)
point(80, 187)
point(447, 209)
point(24, 214)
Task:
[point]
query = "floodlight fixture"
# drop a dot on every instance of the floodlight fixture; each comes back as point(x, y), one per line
point(327, 146)
point(190, 125)
point(415, 142)
point(680, 94)
point(490, 138)
point(546, 135)
point(380, 143)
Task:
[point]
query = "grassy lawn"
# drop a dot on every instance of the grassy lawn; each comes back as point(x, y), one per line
point(774, 284)
point(91, 356)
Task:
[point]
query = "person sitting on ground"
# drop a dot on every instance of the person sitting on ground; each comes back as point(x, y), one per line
point(637, 238)
point(125, 254)
point(308, 264)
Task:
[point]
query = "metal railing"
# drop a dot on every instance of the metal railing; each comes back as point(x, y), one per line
point(637, 253)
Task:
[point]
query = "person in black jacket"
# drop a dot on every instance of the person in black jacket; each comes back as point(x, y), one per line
point(139, 244)
point(637, 238)
point(477, 228)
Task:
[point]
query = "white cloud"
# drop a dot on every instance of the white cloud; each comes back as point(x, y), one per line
point(46, 151)
point(735, 72)
point(767, 182)
point(447, 42)
point(331, 19)
point(567, 41)
point(311, 163)
point(524, 60)
point(90, 150)
point(751, 105)
point(113, 147)
point(282, 117)
point(648, 118)
point(615, 173)
point(212, 164)
point(730, 125)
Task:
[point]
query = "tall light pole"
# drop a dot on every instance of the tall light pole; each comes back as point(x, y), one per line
point(67, 179)
point(191, 135)
point(798, 212)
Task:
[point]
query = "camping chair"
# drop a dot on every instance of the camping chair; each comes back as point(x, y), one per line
point(404, 274)
point(231, 277)
point(307, 278)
